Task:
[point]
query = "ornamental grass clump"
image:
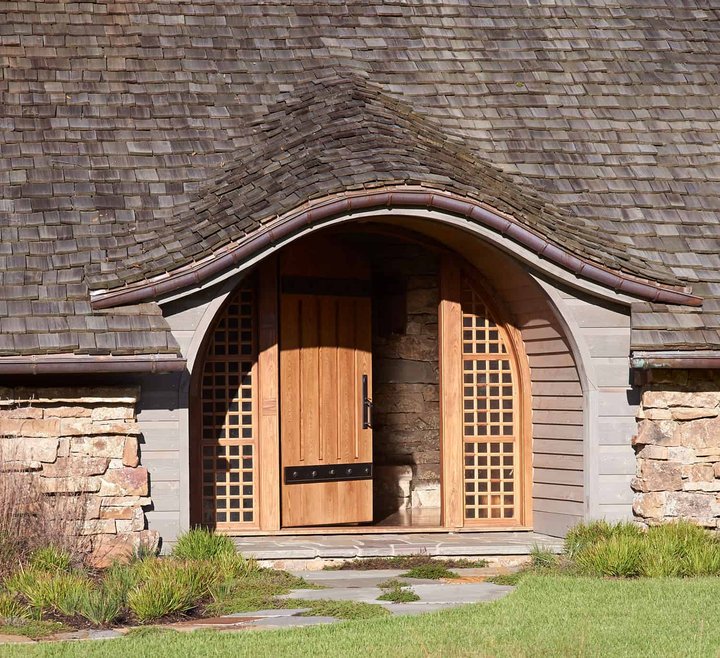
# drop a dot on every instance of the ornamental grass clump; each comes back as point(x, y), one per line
point(679, 549)
point(202, 544)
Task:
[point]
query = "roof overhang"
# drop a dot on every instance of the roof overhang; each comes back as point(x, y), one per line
point(277, 231)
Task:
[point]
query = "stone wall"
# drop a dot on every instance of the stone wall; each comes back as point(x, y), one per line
point(406, 414)
point(82, 442)
point(678, 448)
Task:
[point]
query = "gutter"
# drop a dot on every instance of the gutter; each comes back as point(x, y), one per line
point(275, 232)
point(89, 364)
point(682, 360)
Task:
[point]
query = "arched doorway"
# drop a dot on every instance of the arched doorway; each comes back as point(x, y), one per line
point(251, 390)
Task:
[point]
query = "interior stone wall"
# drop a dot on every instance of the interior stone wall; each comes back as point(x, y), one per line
point(82, 442)
point(678, 448)
point(406, 414)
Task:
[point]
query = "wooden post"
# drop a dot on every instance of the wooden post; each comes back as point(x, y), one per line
point(451, 437)
point(268, 377)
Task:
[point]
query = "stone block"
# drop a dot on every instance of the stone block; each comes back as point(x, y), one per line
point(88, 427)
point(657, 414)
point(131, 453)
point(36, 449)
point(99, 527)
point(125, 482)
point(700, 433)
point(113, 413)
point(716, 469)
point(658, 476)
point(25, 466)
point(691, 505)
point(712, 486)
point(697, 472)
point(653, 452)
point(116, 513)
point(654, 433)
point(681, 454)
point(684, 413)
point(650, 505)
point(107, 549)
point(77, 395)
point(76, 467)
point(22, 413)
point(105, 446)
point(425, 494)
point(70, 485)
point(42, 428)
point(67, 412)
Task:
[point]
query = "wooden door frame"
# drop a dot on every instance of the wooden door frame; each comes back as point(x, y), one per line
point(452, 270)
point(452, 266)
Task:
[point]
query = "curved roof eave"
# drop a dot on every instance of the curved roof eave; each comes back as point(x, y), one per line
point(282, 229)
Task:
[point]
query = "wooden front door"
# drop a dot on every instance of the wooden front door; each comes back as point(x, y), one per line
point(325, 385)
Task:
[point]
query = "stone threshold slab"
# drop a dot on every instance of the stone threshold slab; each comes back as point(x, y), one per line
point(391, 545)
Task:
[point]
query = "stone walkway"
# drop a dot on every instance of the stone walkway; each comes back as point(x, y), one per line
point(351, 585)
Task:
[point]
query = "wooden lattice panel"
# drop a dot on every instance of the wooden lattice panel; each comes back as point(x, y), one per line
point(229, 448)
point(490, 416)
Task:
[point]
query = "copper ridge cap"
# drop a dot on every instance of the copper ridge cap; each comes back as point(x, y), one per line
point(346, 202)
point(87, 364)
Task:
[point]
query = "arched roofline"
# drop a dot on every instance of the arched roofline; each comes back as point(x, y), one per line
point(502, 229)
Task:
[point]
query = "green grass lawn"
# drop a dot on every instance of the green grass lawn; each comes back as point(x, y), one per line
point(545, 616)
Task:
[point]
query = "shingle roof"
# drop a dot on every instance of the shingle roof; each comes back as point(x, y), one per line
point(122, 123)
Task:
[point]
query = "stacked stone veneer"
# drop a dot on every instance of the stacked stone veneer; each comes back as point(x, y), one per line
point(678, 449)
point(82, 441)
point(406, 413)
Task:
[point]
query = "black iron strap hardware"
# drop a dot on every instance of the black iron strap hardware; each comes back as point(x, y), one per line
point(327, 473)
point(366, 405)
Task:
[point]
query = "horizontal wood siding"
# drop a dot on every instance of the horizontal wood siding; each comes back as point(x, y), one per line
point(162, 451)
point(604, 330)
point(557, 405)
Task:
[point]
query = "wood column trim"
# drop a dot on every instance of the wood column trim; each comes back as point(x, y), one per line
point(268, 393)
point(451, 436)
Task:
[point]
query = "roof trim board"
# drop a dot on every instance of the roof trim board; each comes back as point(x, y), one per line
point(271, 233)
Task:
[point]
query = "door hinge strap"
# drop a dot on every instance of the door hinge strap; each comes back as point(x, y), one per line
point(327, 473)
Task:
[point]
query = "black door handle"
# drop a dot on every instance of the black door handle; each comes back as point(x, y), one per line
point(366, 405)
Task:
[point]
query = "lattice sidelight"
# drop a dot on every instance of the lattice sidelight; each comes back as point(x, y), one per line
point(490, 416)
point(229, 447)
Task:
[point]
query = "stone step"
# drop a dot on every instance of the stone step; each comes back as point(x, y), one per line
point(313, 552)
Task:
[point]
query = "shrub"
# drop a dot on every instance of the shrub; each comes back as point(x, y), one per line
point(168, 586)
point(101, 607)
point(162, 598)
point(47, 592)
point(202, 544)
point(11, 608)
point(619, 556)
point(233, 566)
point(585, 535)
point(680, 549)
point(50, 558)
point(542, 558)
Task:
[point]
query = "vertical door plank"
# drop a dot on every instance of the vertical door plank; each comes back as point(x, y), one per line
point(451, 440)
point(268, 461)
point(328, 380)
